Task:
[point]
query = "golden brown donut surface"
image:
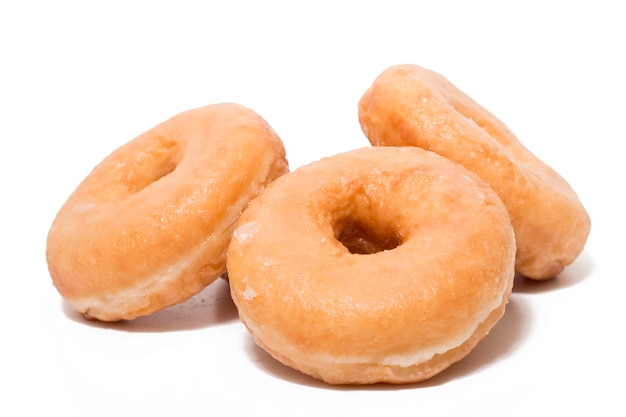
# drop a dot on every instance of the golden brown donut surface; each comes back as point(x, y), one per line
point(150, 225)
point(410, 105)
point(381, 264)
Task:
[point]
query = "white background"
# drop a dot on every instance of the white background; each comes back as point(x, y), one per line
point(78, 79)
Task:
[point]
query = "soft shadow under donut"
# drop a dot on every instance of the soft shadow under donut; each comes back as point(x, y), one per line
point(273, 367)
point(571, 275)
point(211, 307)
point(504, 338)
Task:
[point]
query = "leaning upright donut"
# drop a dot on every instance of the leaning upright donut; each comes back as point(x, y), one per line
point(150, 225)
point(410, 105)
point(381, 264)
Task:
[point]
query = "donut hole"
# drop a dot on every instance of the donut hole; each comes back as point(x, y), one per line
point(159, 159)
point(365, 238)
point(161, 170)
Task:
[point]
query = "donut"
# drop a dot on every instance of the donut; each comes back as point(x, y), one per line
point(150, 225)
point(408, 105)
point(379, 264)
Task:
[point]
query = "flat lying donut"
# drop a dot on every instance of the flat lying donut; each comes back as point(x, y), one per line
point(409, 105)
point(377, 265)
point(150, 225)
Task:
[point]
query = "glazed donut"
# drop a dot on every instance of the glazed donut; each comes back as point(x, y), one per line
point(409, 105)
point(150, 225)
point(380, 264)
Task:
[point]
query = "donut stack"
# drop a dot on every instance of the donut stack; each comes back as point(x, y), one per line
point(387, 263)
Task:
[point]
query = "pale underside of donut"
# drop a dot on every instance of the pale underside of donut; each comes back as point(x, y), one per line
point(416, 366)
point(172, 285)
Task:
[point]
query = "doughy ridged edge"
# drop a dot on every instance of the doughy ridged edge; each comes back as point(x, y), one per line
point(310, 363)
